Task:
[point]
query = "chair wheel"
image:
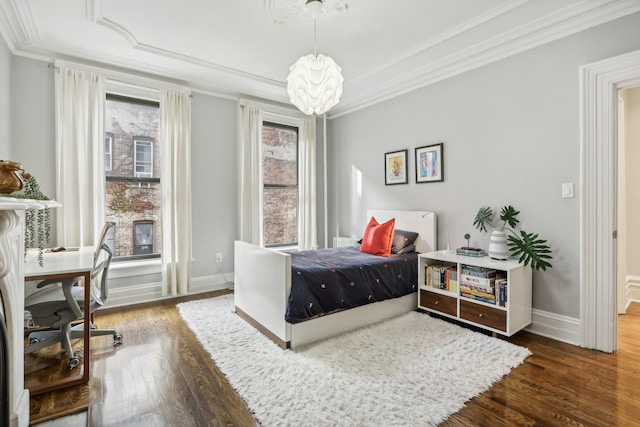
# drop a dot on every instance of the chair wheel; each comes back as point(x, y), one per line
point(74, 362)
point(117, 339)
point(34, 340)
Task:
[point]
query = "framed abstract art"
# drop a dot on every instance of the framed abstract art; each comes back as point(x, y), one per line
point(429, 163)
point(395, 167)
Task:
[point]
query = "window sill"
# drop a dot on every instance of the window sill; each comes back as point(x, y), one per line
point(284, 248)
point(134, 268)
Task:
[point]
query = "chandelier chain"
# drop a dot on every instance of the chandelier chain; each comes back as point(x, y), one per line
point(315, 38)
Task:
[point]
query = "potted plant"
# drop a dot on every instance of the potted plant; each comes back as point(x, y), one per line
point(525, 246)
point(37, 221)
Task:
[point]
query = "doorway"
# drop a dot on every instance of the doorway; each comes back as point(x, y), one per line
point(628, 271)
point(600, 83)
point(628, 198)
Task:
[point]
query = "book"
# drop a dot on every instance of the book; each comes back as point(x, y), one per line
point(477, 281)
point(478, 271)
point(452, 275)
point(475, 252)
point(435, 276)
point(501, 292)
point(477, 295)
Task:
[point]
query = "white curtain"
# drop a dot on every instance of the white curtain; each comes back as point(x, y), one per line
point(250, 174)
point(307, 217)
point(175, 142)
point(79, 118)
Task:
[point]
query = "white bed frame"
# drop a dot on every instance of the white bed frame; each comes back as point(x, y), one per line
point(263, 282)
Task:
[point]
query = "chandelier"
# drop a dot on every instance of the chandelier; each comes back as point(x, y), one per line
point(314, 84)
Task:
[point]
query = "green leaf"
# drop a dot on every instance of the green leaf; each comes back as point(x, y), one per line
point(510, 216)
point(483, 218)
point(530, 249)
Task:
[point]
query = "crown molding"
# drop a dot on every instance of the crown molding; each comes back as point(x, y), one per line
point(546, 29)
point(18, 25)
point(444, 37)
point(399, 76)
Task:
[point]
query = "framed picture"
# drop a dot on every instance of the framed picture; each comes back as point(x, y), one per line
point(395, 167)
point(429, 163)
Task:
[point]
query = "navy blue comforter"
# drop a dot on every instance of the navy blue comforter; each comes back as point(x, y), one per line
point(324, 281)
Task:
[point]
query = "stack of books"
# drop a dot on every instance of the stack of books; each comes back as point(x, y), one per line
point(467, 251)
point(479, 283)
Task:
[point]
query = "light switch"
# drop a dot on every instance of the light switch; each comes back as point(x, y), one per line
point(567, 190)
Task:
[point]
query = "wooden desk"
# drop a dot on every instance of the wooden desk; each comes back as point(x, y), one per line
point(62, 265)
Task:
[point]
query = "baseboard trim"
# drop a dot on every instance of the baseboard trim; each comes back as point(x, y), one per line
point(555, 326)
point(546, 324)
point(148, 292)
point(632, 291)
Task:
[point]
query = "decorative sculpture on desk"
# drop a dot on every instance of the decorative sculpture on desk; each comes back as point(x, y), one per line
point(12, 176)
point(468, 250)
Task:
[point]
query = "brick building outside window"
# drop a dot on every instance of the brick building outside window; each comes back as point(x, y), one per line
point(132, 172)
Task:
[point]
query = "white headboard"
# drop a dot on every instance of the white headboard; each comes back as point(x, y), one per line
point(422, 222)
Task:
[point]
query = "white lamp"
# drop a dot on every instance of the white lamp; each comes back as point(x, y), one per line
point(315, 81)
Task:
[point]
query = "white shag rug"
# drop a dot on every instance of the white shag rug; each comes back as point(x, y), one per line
point(413, 370)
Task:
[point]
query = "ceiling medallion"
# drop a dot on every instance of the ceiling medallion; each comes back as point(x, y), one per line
point(282, 11)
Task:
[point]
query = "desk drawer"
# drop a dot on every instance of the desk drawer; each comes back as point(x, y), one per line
point(483, 315)
point(439, 302)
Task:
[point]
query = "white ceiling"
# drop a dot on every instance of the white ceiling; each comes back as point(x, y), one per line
point(239, 47)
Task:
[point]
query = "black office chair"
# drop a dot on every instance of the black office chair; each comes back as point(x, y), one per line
point(58, 303)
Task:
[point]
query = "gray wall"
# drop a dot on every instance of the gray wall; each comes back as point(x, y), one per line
point(32, 123)
point(511, 133)
point(5, 94)
point(214, 184)
point(214, 162)
point(214, 135)
point(32, 119)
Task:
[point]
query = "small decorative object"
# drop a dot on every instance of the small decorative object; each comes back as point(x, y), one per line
point(395, 167)
point(498, 248)
point(429, 163)
point(12, 176)
point(526, 246)
point(468, 250)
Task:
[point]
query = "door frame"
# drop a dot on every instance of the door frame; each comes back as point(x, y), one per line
point(599, 83)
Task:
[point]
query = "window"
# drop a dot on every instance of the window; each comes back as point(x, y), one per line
point(108, 150)
point(133, 190)
point(143, 158)
point(143, 237)
point(280, 184)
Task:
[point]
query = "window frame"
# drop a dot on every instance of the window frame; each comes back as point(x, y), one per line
point(135, 234)
point(270, 122)
point(109, 137)
point(135, 264)
point(142, 142)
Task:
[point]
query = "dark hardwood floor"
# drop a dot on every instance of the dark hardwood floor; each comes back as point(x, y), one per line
point(161, 376)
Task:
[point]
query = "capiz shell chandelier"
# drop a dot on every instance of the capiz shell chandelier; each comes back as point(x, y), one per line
point(314, 84)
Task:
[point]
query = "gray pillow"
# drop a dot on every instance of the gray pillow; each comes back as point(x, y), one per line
point(406, 250)
point(402, 239)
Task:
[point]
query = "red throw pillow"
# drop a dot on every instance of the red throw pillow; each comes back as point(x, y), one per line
point(378, 238)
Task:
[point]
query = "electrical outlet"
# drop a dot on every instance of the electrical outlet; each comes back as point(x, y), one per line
point(219, 257)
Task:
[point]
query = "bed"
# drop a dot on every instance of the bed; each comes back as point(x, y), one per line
point(263, 286)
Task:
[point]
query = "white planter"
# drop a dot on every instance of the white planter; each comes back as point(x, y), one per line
point(498, 248)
